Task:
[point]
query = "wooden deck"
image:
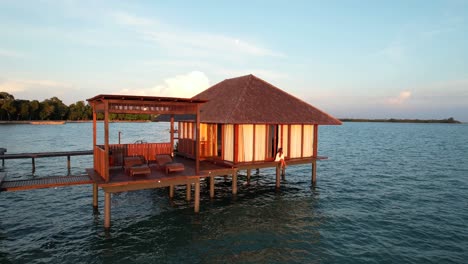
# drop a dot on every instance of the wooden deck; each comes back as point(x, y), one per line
point(121, 181)
point(44, 182)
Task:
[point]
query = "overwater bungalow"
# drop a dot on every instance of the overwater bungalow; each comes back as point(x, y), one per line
point(237, 124)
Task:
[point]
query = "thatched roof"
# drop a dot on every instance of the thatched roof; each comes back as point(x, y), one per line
point(251, 100)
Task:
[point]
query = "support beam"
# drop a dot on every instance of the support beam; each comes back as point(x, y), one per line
point(212, 189)
point(314, 172)
point(248, 175)
point(197, 197)
point(171, 191)
point(107, 210)
point(95, 195)
point(33, 165)
point(283, 173)
point(68, 164)
point(278, 168)
point(172, 133)
point(188, 195)
point(234, 182)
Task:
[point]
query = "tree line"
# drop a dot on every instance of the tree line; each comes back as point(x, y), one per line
point(12, 109)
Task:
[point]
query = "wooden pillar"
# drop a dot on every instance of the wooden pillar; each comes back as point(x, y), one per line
point(197, 196)
point(107, 210)
point(68, 164)
point(283, 173)
point(172, 133)
point(188, 192)
point(106, 141)
point(314, 172)
point(94, 135)
point(197, 143)
point(234, 182)
point(171, 191)
point(212, 182)
point(248, 176)
point(33, 165)
point(95, 195)
point(278, 168)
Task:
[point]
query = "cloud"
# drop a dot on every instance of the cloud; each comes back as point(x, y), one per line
point(10, 54)
point(123, 18)
point(400, 99)
point(15, 86)
point(185, 86)
point(182, 41)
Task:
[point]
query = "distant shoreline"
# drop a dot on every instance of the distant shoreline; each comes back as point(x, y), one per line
point(61, 122)
point(394, 120)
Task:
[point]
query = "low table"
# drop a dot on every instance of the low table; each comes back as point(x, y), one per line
point(171, 167)
point(135, 170)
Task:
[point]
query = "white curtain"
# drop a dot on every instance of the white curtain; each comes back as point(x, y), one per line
point(308, 150)
point(245, 143)
point(260, 142)
point(296, 136)
point(228, 142)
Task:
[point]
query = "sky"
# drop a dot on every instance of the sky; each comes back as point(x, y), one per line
point(352, 59)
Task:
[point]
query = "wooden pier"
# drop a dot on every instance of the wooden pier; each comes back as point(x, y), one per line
point(34, 156)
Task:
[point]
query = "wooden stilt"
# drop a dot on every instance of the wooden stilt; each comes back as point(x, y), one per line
point(314, 172)
point(188, 196)
point(197, 197)
point(95, 195)
point(171, 191)
point(212, 182)
point(33, 165)
point(283, 173)
point(107, 210)
point(278, 176)
point(234, 182)
point(68, 164)
point(248, 176)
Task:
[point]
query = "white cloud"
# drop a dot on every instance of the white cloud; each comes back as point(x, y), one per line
point(181, 40)
point(10, 54)
point(185, 86)
point(131, 20)
point(15, 86)
point(400, 99)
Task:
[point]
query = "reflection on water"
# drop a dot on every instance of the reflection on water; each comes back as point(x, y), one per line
point(390, 193)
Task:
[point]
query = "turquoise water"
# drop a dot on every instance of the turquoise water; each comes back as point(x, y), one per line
point(390, 193)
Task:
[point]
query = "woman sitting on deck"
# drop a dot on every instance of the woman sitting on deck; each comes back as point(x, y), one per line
point(280, 158)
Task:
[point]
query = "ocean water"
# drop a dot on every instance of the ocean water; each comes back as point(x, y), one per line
point(389, 193)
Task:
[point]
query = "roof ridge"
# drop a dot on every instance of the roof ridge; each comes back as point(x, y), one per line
point(243, 90)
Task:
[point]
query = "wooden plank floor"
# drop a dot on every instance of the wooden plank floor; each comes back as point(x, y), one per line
point(44, 182)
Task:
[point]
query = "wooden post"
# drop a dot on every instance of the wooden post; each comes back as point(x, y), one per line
point(248, 176)
point(107, 210)
point(283, 173)
point(171, 191)
point(33, 165)
point(106, 141)
point(188, 192)
point(278, 176)
point(314, 172)
point(212, 182)
point(197, 143)
point(197, 196)
point(68, 164)
point(234, 182)
point(95, 195)
point(172, 133)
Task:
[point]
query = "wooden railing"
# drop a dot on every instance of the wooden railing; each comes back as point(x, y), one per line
point(187, 146)
point(99, 161)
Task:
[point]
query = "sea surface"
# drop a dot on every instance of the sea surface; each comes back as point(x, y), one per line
point(389, 193)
